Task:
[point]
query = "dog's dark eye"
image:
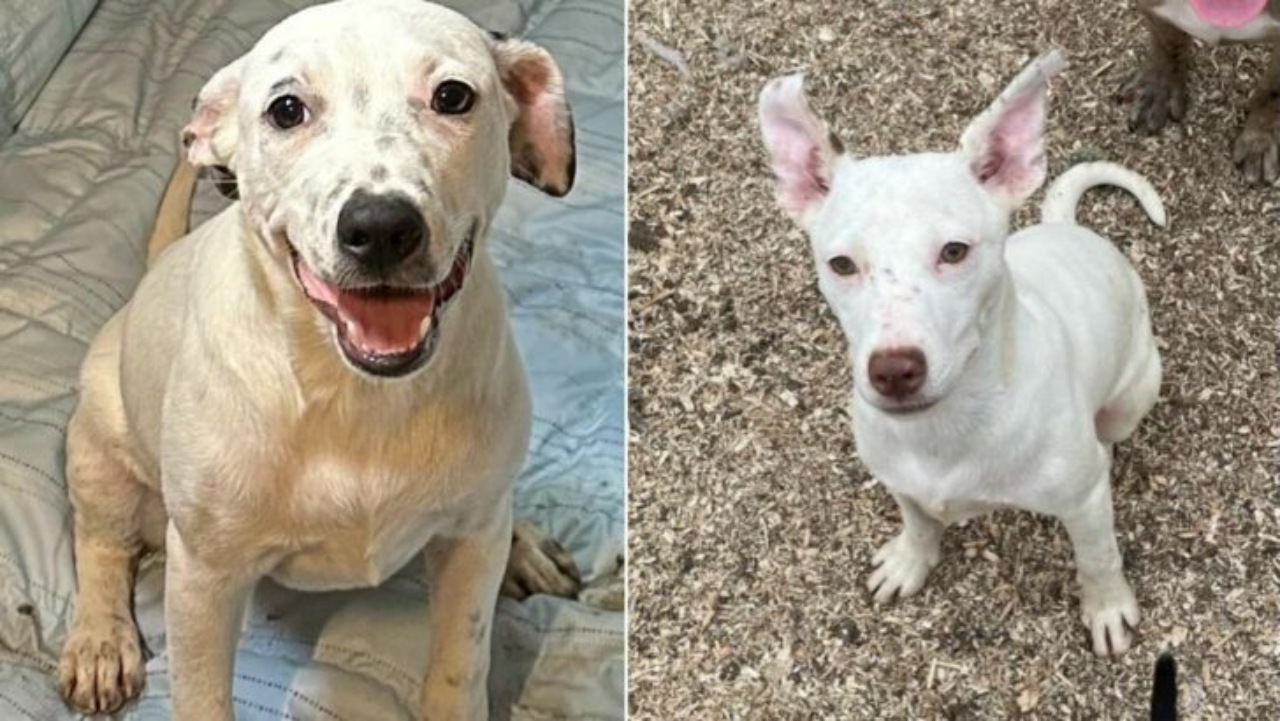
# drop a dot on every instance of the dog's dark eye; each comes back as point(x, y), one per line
point(287, 111)
point(453, 98)
point(843, 265)
point(953, 252)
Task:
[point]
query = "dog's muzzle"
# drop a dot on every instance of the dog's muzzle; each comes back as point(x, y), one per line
point(384, 330)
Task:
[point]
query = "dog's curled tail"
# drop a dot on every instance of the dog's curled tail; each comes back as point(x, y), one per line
point(174, 212)
point(1064, 193)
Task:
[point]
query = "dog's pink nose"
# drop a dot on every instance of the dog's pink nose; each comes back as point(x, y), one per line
point(898, 372)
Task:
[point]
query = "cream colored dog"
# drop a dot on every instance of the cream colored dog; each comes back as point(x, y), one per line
point(320, 382)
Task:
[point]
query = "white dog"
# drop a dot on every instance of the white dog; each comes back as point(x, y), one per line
point(988, 370)
point(320, 382)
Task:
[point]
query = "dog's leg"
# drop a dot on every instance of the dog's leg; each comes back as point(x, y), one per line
point(465, 574)
point(1107, 605)
point(538, 564)
point(204, 612)
point(101, 665)
point(1257, 150)
point(903, 564)
point(1159, 89)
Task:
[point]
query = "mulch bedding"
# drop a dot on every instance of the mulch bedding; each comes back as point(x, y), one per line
point(752, 521)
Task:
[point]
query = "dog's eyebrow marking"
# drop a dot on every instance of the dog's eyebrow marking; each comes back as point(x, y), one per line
point(275, 57)
point(279, 85)
point(379, 173)
point(384, 142)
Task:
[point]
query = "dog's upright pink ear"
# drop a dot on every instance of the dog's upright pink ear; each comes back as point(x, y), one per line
point(541, 137)
point(210, 138)
point(1004, 146)
point(802, 151)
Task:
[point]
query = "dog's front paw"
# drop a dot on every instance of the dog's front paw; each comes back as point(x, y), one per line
point(1110, 616)
point(1257, 150)
point(448, 699)
point(1158, 94)
point(101, 666)
point(539, 564)
point(901, 567)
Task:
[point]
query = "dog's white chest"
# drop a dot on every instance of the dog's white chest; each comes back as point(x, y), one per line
point(355, 526)
point(949, 492)
point(1180, 14)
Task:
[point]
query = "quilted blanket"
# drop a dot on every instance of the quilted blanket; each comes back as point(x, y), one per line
point(94, 108)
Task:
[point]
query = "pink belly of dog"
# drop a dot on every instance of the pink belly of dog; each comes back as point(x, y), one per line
point(1214, 21)
point(1228, 13)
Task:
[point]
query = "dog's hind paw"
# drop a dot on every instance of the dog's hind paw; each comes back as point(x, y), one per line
point(539, 564)
point(1110, 618)
point(101, 667)
point(901, 567)
point(1257, 151)
point(607, 587)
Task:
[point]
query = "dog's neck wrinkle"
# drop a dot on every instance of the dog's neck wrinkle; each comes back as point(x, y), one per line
point(1007, 327)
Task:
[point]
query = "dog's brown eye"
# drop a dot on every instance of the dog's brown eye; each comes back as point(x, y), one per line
point(453, 98)
point(953, 252)
point(842, 265)
point(287, 111)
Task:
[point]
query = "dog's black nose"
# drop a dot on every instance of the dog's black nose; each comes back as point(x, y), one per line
point(898, 372)
point(379, 231)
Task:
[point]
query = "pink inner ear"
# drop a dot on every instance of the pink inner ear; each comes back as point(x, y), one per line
point(543, 130)
point(1012, 156)
point(540, 135)
point(797, 162)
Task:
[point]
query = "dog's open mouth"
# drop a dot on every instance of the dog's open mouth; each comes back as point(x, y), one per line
point(386, 330)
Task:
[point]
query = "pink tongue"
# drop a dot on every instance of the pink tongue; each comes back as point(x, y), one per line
point(375, 324)
point(1228, 13)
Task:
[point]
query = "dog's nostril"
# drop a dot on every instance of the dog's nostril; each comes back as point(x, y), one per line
point(380, 230)
point(897, 372)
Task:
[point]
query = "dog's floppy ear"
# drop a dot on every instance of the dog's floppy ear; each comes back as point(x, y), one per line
point(541, 137)
point(1004, 146)
point(801, 149)
point(210, 138)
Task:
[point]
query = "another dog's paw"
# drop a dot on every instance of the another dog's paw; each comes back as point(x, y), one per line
point(101, 666)
point(539, 564)
point(1158, 96)
point(1257, 150)
point(901, 568)
point(1110, 616)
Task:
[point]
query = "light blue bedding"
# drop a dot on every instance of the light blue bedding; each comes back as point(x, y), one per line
point(79, 184)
